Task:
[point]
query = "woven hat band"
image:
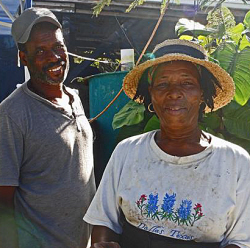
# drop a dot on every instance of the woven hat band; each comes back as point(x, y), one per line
point(182, 49)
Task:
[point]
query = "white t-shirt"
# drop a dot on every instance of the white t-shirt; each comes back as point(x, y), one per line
point(203, 197)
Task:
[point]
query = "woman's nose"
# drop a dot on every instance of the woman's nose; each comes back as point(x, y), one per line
point(174, 92)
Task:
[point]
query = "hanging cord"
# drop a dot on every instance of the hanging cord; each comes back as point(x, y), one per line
point(138, 61)
point(122, 29)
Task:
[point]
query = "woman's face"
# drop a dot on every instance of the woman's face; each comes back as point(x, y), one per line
point(176, 94)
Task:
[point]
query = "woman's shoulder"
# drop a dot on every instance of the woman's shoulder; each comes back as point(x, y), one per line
point(137, 139)
point(227, 146)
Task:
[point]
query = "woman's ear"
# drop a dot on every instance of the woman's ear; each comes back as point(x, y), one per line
point(23, 58)
point(149, 89)
point(202, 98)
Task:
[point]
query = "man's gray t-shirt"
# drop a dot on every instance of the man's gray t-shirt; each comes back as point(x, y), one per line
point(48, 154)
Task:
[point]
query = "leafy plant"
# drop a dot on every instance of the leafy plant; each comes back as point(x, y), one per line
point(201, 3)
point(228, 44)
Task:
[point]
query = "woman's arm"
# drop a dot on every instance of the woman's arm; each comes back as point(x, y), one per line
point(103, 237)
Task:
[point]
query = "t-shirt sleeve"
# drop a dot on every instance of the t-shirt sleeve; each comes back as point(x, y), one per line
point(104, 209)
point(239, 220)
point(11, 150)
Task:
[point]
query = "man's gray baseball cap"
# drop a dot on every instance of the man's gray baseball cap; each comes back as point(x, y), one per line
point(22, 26)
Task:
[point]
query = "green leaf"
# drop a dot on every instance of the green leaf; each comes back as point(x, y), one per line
point(236, 32)
point(152, 124)
point(221, 19)
point(134, 4)
point(185, 26)
point(230, 108)
point(128, 131)
point(132, 113)
point(97, 9)
point(246, 20)
point(212, 120)
point(203, 127)
point(237, 120)
point(237, 64)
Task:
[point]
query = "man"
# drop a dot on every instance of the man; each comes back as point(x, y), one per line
point(46, 163)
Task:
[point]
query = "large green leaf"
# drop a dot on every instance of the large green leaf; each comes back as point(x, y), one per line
point(236, 32)
point(185, 26)
point(241, 76)
point(128, 131)
point(211, 120)
point(132, 113)
point(152, 124)
point(247, 20)
point(245, 42)
point(237, 64)
point(237, 120)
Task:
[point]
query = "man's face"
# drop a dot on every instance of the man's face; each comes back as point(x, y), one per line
point(46, 55)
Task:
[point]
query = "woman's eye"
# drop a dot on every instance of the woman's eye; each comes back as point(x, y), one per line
point(161, 86)
point(188, 83)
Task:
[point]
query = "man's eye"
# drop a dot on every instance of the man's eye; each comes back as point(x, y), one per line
point(39, 52)
point(59, 47)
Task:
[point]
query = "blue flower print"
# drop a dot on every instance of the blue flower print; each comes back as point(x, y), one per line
point(152, 204)
point(184, 211)
point(184, 215)
point(168, 203)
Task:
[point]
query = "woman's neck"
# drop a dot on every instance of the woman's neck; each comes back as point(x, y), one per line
point(181, 142)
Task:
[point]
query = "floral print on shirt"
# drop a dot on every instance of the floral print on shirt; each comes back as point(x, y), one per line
point(184, 214)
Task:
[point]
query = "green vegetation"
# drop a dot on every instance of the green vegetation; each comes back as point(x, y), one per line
point(202, 3)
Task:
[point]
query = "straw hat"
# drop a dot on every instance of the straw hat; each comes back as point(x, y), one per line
point(171, 50)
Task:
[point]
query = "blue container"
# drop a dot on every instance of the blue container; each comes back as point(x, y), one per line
point(102, 90)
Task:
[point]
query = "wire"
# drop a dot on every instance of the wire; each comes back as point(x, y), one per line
point(91, 59)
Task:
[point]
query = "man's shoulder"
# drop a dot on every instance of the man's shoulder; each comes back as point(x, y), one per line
point(14, 102)
point(12, 98)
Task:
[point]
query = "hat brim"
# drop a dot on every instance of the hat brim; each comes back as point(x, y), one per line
point(49, 19)
point(223, 96)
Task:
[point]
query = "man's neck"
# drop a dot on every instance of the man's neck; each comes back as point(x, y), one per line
point(47, 91)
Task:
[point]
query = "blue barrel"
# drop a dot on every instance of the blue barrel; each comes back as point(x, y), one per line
point(102, 90)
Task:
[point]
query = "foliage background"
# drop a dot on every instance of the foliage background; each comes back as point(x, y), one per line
point(227, 44)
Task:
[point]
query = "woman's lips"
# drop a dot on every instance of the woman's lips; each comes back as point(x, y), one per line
point(175, 110)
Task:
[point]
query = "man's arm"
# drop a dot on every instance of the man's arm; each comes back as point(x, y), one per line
point(8, 228)
point(103, 237)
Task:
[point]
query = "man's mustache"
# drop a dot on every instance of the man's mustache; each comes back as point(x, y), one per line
point(53, 64)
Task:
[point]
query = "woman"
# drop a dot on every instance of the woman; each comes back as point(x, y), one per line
point(178, 186)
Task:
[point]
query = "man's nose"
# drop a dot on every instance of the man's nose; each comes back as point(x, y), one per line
point(52, 56)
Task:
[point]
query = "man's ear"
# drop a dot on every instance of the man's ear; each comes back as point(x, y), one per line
point(23, 58)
